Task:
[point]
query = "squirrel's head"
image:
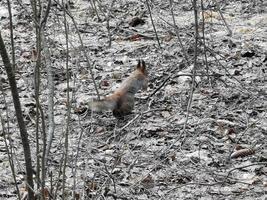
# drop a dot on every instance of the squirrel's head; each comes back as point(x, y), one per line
point(141, 67)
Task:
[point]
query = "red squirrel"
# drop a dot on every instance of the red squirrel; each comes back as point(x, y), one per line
point(121, 102)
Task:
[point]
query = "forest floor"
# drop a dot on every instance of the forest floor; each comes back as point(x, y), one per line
point(215, 148)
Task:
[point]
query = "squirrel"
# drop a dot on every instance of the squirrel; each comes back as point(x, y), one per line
point(121, 102)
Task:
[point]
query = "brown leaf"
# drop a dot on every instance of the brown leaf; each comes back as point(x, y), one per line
point(136, 21)
point(172, 157)
point(77, 196)
point(242, 153)
point(148, 182)
point(104, 83)
point(45, 193)
point(23, 193)
point(34, 55)
point(135, 37)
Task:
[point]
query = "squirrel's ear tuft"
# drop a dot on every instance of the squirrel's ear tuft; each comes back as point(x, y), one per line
point(141, 66)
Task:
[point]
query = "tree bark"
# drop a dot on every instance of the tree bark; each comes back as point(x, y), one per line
point(21, 124)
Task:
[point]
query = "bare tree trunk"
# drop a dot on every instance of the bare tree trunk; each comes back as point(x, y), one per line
point(51, 91)
point(11, 35)
point(22, 127)
point(40, 23)
point(66, 141)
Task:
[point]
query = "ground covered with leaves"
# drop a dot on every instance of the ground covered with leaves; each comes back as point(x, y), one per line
point(205, 142)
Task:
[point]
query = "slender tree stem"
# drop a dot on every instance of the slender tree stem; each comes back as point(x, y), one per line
point(150, 14)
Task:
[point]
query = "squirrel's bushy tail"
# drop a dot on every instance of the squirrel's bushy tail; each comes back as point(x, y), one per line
point(101, 105)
